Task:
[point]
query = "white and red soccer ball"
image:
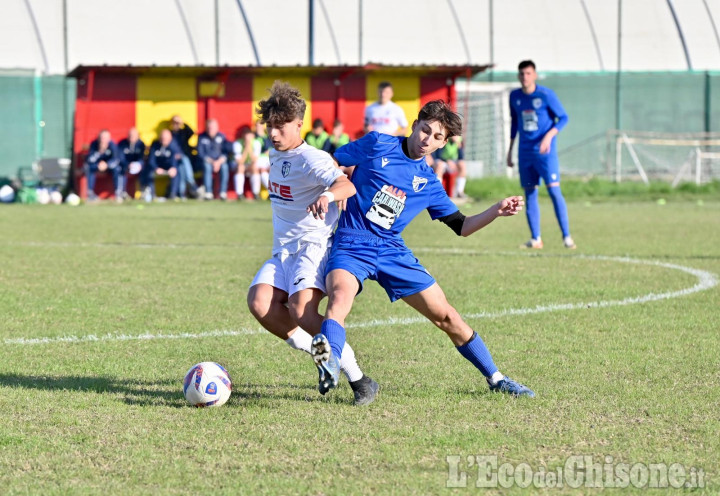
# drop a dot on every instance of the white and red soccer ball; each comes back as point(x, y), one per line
point(207, 384)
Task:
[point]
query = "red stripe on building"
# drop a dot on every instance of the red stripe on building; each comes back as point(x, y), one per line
point(103, 102)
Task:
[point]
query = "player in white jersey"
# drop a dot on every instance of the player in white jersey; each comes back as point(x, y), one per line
point(385, 116)
point(304, 185)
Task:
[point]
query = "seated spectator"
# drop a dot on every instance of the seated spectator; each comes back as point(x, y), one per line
point(212, 150)
point(450, 161)
point(245, 158)
point(181, 134)
point(318, 137)
point(338, 137)
point(162, 161)
point(132, 153)
point(261, 173)
point(103, 158)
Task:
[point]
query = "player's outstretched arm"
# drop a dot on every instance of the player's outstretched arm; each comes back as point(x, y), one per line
point(504, 208)
point(341, 189)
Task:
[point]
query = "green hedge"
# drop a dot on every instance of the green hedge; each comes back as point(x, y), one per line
point(597, 189)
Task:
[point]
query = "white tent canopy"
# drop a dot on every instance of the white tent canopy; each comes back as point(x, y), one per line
point(560, 35)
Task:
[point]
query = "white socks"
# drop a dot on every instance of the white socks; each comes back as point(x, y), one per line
point(349, 365)
point(301, 340)
point(265, 178)
point(255, 184)
point(496, 377)
point(460, 185)
point(240, 184)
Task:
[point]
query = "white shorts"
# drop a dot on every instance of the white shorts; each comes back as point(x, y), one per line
point(295, 272)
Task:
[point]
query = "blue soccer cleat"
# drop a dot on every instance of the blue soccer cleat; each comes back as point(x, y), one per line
point(328, 365)
point(507, 385)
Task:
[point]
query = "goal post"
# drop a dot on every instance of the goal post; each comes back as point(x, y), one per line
point(671, 157)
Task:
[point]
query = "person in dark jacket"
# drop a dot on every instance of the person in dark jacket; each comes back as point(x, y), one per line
point(212, 150)
point(132, 158)
point(162, 161)
point(103, 158)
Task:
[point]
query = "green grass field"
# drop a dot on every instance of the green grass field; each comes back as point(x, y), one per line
point(105, 307)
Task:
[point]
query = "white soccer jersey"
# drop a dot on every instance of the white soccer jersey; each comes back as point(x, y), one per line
point(386, 118)
point(297, 178)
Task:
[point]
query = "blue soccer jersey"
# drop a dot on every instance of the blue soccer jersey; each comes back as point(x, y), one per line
point(533, 115)
point(392, 189)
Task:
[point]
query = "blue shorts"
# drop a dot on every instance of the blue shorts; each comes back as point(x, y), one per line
point(534, 166)
point(387, 261)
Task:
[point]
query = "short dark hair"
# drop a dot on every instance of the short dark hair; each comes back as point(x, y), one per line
point(384, 84)
point(318, 123)
point(285, 104)
point(439, 111)
point(244, 131)
point(526, 63)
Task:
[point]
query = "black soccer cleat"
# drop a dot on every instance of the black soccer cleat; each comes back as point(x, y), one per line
point(365, 391)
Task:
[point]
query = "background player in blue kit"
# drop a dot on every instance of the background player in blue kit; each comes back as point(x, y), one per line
point(538, 116)
point(394, 184)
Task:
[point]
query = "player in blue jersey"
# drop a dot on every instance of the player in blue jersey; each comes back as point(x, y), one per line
point(538, 116)
point(394, 184)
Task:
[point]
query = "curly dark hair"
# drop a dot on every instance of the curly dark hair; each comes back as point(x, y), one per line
point(439, 111)
point(285, 104)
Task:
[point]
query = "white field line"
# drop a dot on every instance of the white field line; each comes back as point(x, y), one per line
point(705, 280)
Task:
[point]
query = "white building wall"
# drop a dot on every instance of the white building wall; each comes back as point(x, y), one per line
point(554, 33)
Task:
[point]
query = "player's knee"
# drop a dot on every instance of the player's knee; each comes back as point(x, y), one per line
point(298, 312)
point(447, 318)
point(257, 305)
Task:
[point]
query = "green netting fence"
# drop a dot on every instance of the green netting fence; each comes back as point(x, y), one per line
point(36, 117)
point(655, 102)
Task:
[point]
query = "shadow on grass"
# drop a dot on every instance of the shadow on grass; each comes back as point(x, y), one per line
point(133, 392)
point(165, 393)
point(256, 394)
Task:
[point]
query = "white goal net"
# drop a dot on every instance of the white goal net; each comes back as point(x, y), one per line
point(672, 157)
point(485, 111)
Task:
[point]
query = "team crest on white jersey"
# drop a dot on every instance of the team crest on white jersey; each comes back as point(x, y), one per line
point(387, 204)
point(419, 183)
point(537, 103)
point(285, 168)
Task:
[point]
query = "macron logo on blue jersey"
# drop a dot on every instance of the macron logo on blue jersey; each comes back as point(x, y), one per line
point(385, 161)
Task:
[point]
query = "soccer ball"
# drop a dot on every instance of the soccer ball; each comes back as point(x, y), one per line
point(207, 384)
point(43, 196)
point(72, 199)
point(7, 194)
point(55, 197)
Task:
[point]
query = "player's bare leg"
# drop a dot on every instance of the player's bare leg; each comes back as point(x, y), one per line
point(342, 287)
point(281, 315)
point(267, 304)
point(432, 303)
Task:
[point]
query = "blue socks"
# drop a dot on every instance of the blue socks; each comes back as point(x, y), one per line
point(560, 209)
point(477, 353)
point(532, 211)
point(335, 333)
